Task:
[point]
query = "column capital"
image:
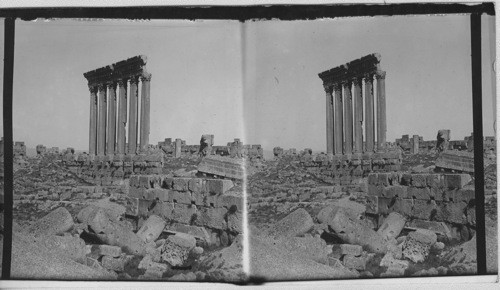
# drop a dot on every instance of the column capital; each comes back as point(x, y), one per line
point(92, 89)
point(346, 83)
point(380, 75)
point(111, 85)
point(121, 82)
point(101, 87)
point(145, 77)
point(134, 80)
point(357, 80)
point(328, 89)
point(337, 86)
point(368, 77)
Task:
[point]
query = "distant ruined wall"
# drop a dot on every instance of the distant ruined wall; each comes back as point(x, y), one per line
point(112, 170)
point(437, 201)
point(348, 169)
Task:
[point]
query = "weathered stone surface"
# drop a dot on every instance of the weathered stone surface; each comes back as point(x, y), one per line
point(295, 224)
point(351, 250)
point(312, 248)
point(197, 232)
point(267, 259)
point(176, 249)
point(68, 246)
point(358, 263)
point(353, 232)
point(30, 261)
point(151, 229)
point(116, 264)
point(56, 222)
point(222, 166)
point(218, 186)
point(417, 245)
point(392, 226)
point(113, 233)
point(107, 250)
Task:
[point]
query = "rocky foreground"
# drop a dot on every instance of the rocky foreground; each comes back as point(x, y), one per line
point(322, 231)
point(65, 228)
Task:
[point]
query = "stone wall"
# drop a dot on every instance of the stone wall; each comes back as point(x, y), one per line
point(112, 170)
point(348, 169)
point(436, 200)
point(222, 166)
point(456, 160)
point(201, 204)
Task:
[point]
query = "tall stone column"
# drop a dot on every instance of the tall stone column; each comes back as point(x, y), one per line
point(381, 113)
point(111, 134)
point(339, 127)
point(347, 118)
point(358, 116)
point(101, 134)
point(93, 121)
point(132, 121)
point(122, 116)
point(178, 146)
point(369, 114)
point(329, 120)
point(145, 111)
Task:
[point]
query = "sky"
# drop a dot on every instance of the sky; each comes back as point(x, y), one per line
point(428, 80)
point(257, 81)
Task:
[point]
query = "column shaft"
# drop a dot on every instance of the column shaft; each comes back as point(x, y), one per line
point(329, 121)
point(348, 118)
point(111, 134)
point(358, 116)
point(101, 134)
point(122, 116)
point(132, 121)
point(369, 114)
point(339, 127)
point(381, 113)
point(145, 111)
point(93, 121)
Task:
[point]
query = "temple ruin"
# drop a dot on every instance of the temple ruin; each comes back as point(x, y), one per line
point(344, 106)
point(107, 124)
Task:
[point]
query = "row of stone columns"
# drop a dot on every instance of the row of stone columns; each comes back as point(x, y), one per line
point(107, 134)
point(344, 115)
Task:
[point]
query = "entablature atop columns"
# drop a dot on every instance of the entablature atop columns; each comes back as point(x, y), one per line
point(368, 64)
point(126, 69)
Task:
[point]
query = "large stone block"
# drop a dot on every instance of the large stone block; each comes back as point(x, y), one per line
point(137, 192)
point(211, 218)
point(185, 214)
point(424, 209)
point(358, 263)
point(232, 201)
point(181, 184)
point(419, 193)
point(181, 197)
point(116, 264)
point(351, 250)
point(151, 229)
point(196, 185)
point(197, 232)
point(160, 194)
point(456, 181)
point(419, 180)
point(218, 186)
point(56, 222)
point(402, 206)
point(354, 232)
point(392, 226)
point(295, 224)
point(163, 209)
point(464, 195)
point(113, 233)
point(453, 212)
point(395, 191)
point(235, 222)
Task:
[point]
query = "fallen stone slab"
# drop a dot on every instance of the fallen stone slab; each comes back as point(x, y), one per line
point(199, 233)
point(392, 226)
point(313, 248)
point(176, 249)
point(269, 262)
point(354, 232)
point(352, 250)
point(295, 224)
point(227, 262)
point(68, 246)
point(417, 244)
point(56, 222)
point(34, 261)
point(113, 233)
point(105, 250)
point(116, 264)
point(151, 229)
